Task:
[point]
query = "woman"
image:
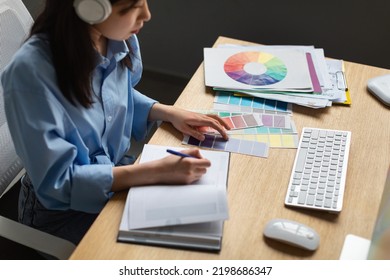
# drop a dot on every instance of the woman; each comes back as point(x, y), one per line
point(72, 109)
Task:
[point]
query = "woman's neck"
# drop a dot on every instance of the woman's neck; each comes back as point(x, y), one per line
point(99, 41)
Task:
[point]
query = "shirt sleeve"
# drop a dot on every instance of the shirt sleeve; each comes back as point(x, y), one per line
point(60, 170)
point(46, 140)
point(142, 107)
point(142, 103)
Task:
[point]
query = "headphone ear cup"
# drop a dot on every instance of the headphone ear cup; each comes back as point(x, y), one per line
point(92, 11)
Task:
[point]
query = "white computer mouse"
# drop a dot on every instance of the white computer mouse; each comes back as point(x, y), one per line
point(380, 87)
point(293, 233)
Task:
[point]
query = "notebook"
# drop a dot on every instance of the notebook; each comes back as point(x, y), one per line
point(378, 247)
point(186, 216)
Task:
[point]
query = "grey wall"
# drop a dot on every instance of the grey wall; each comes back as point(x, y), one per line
point(173, 41)
point(353, 30)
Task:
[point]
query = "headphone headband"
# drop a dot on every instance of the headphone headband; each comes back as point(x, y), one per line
point(92, 11)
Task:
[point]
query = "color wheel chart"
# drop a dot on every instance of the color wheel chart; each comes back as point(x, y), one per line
point(241, 146)
point(255, 68)
point(227, 101)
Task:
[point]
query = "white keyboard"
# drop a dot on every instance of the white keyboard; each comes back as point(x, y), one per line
point(318, 176)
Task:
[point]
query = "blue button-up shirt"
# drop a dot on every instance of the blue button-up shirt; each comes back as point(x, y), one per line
point(69, 151)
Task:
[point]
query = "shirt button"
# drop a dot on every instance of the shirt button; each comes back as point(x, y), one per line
point(109, 118)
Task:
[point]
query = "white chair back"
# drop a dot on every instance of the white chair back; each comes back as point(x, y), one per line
point(15, 23)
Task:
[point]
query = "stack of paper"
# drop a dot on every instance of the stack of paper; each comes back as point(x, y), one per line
point(293, 74)
point(189, 216)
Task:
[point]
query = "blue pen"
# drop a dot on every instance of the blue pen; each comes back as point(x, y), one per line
point(176, 153)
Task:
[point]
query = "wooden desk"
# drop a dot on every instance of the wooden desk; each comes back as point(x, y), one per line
point(257, 186)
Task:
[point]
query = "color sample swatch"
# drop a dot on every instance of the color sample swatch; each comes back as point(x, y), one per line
point(285, 125)
point(277, 121)
point(249, 103)
point(289, 141)
point(238, 121)
point(255, 68)
point(264, 130)
point(268, 120)
point(243, 121)
point(233, 145)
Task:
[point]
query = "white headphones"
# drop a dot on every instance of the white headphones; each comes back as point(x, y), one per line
point(92, 11)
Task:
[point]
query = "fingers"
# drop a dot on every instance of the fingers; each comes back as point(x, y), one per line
point(218, 124)
point(197, 159)
point(220, 120)
point(199, 162)
point(194, 133)
point(200, 136)
point(196, 175)
point(193, 152)
point(185, 170)
point(197, 172)
point(213, 121)
point(186, 122)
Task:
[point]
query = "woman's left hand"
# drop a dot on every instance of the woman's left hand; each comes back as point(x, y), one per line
point(187, 121)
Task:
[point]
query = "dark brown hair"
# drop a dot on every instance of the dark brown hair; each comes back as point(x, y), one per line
point(74, 56)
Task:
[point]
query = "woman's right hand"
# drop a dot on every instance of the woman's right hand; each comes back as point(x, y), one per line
point(176, 170)
point(170, 170)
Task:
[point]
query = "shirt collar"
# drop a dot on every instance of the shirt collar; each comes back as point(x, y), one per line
point(115, 50)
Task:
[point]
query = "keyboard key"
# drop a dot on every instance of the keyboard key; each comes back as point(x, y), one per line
point(300, 164)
